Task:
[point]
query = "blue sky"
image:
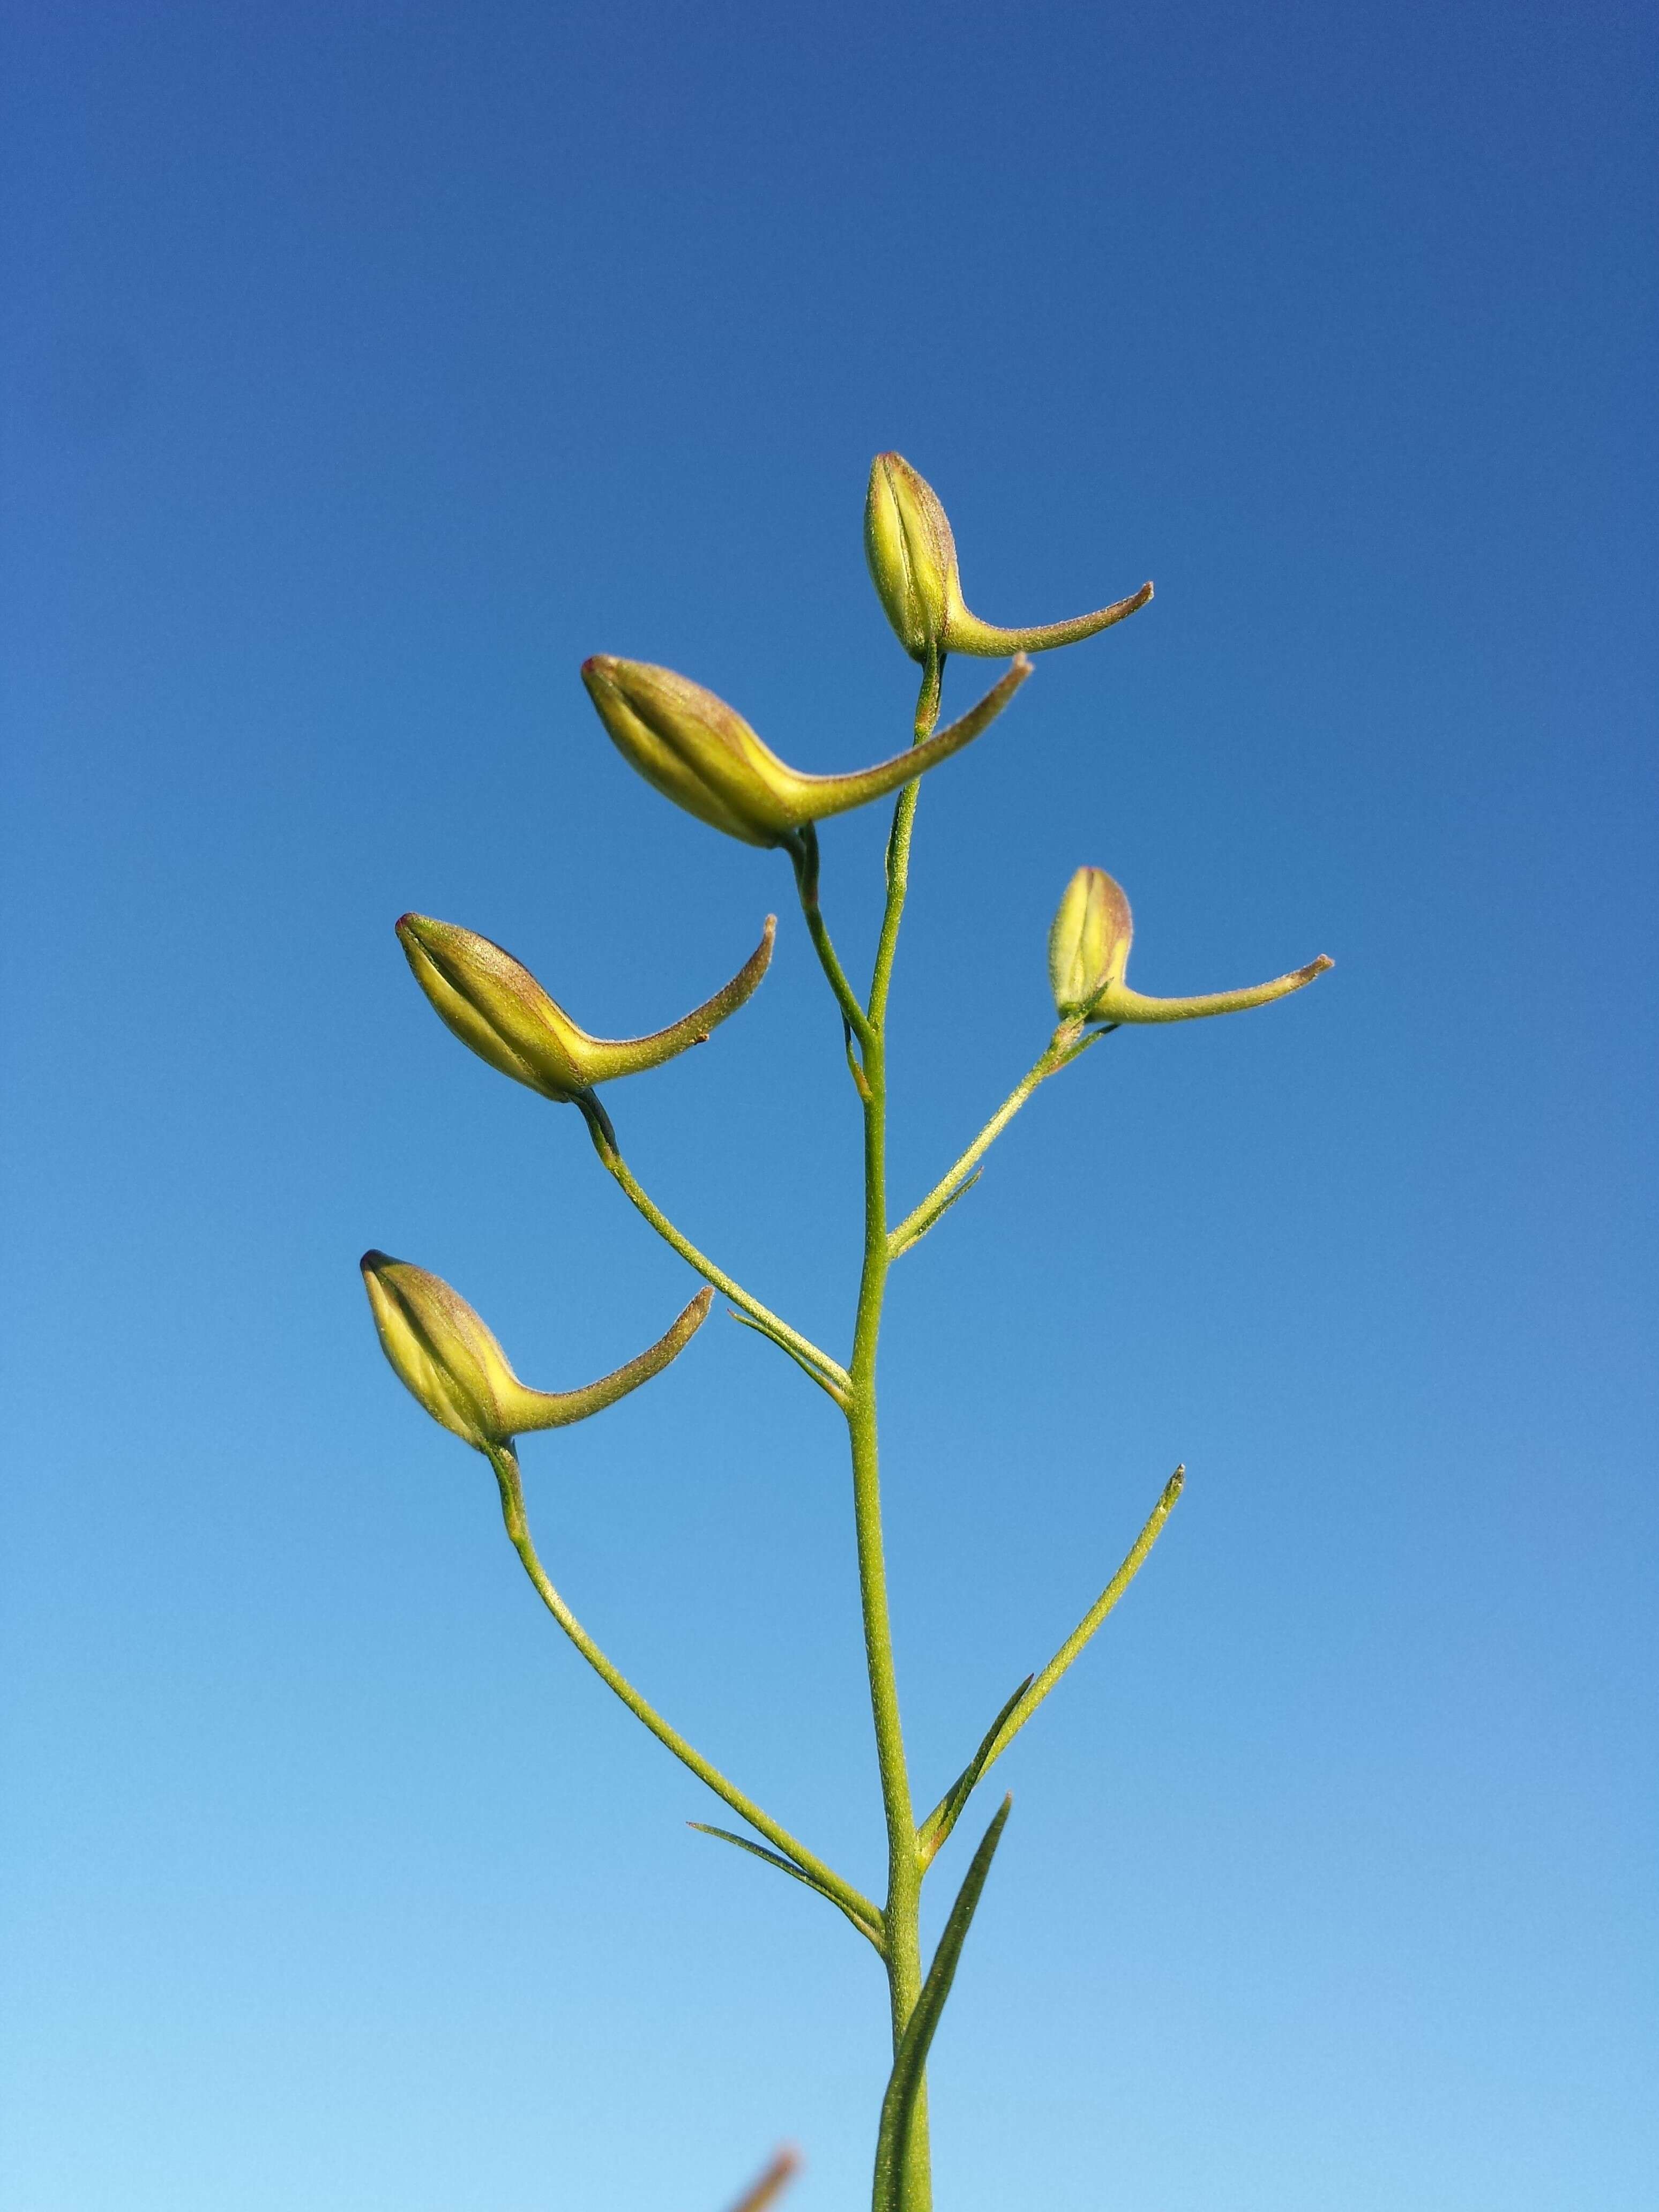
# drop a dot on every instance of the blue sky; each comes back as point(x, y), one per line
point(365, 368)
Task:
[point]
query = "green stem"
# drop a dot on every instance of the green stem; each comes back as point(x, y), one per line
point(827, 1373)
point(1063, 1048)
point(804, 854)
point(902, 1912)
point(1036, 1691)
point(857, 1907)
point(1035, 1688)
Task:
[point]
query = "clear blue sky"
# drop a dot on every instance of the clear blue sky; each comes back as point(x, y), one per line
point(364, 367)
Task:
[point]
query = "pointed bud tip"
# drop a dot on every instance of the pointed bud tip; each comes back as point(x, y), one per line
point(372, 1261)
point(601, 674)
point(700, 1304)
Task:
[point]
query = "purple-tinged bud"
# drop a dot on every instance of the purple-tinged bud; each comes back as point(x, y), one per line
point(446, 1357)
point(496, 1007)
point(912, 553)
point(701, 753)
point(1088, 955)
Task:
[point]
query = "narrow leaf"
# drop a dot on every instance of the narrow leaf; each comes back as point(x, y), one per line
point(931, 1835)
point(904, 2083)
point(788, 1866)
point(822, 1376)
point(929, 1219)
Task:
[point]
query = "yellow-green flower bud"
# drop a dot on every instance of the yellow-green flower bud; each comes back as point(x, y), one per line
point(447, 1357)
point(912, 555)
point(911, 552)
point(1088, 942)
point(701, 753)
point(498, 1008)
point(1088, 955)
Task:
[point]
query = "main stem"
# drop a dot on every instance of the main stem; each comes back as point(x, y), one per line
point(902, 1915)
point(903, 1873)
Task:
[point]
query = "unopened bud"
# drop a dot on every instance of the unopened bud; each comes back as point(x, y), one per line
point(496, 1007)
point(444, 1354)
point(911, 552)
point(912, 555)
point(701, 753)
point(1088, 942)
point(1088, 955)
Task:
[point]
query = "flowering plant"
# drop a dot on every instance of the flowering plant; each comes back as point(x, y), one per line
point(700, 753)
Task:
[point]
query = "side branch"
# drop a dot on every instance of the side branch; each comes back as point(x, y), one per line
point(1026, 1701)
point(855, 1905)
point(830, 1376)
point(1064, 1047)
point(903, 829)
point(1072, 1647)
point(803, 849)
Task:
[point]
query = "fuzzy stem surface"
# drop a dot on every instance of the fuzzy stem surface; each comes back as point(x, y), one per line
point(1063, 1048)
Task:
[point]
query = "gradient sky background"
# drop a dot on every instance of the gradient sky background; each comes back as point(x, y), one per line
point(366, 366)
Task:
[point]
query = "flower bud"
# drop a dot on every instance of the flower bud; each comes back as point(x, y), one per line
point(911, 552)
point(1088, 942)
point(498, 1008)
point(1089, 954)
point(444, 1354)
point(701, 753)
point(912, 555)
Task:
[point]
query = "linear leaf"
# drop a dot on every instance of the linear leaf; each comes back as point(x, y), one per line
point(822, 1376)
point(935, 1215)
point(788, 1866)
point(931, 1835)
point(904, 2083)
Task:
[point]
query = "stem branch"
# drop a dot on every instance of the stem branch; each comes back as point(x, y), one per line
point(857, 1907)
point(804, 854)
point(1063, 1048)
point(830, 1376)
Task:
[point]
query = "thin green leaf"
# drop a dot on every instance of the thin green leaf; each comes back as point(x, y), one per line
point(820, 1375)
point(931, 1835)
point(1089, 1037)
point(788, 1866)
point(855, 1066)
point(928, 1219)
point(904, 2083)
